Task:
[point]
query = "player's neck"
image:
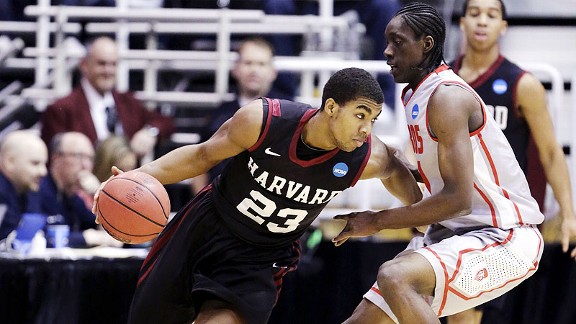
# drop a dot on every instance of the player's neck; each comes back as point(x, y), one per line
point(315, 133)
point(480, 60)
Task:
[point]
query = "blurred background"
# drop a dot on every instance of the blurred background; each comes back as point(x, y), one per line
point(176, 56)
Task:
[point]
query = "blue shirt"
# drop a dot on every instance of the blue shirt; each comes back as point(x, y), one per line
point(13, 205)
point(72, 209)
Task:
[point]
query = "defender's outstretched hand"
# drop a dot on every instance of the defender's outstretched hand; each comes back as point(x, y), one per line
point(358, 224)
point(115, 172)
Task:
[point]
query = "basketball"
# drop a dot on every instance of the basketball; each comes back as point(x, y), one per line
point(133, 207)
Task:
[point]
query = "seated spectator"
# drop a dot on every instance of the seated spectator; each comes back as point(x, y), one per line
point(95, 109)
point(68, 189)
point(114, 151)
point(254, 73)
point(23, 158)
point(374, 14)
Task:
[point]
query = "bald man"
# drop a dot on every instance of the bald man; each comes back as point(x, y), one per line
point(69, 187)
point(23, 157)
point(97, 110)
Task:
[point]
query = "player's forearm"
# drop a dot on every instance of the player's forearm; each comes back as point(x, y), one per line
point(558, 177)
point(404, 187)
point(434, 209)
point(177, 165)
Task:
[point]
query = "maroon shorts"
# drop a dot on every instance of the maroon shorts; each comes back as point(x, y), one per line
point(197, 258)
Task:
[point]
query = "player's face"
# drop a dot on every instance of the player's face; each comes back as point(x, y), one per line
point(483, 24)
point(404, 51)
point(353, 123)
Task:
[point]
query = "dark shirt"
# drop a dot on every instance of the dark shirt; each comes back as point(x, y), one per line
point(269, 195)
point(13, 205)
point(219, 116)
point(73, 210)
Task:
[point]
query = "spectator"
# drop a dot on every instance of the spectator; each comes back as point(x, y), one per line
point(114, 151)
point(23, 158)
point(68, 189)
point(374, 14)
point(95, 109)
point(254, 74)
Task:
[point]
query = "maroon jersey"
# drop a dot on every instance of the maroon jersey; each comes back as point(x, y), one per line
point(269, 194)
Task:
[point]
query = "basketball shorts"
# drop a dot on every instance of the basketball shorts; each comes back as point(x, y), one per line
point(196, 258)
point(474, 267)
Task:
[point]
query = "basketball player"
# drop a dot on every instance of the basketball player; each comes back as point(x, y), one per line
point(517, 100)
point(221, 259)
point(483, 239)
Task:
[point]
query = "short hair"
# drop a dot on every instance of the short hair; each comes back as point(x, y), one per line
point(90, 42)
point(257, 40)
point(502, 6)
point(350, 84)
point(56, 142)
point(424, 20)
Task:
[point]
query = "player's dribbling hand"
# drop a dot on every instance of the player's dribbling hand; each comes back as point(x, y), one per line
point(358, 224)
point(115, 172)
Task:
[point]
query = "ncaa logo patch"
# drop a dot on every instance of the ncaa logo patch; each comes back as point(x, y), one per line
point(340, 169)
point(499, 86)
point(415, 111)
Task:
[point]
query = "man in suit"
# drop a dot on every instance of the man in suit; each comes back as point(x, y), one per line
point(95, 109)
point(68, 188)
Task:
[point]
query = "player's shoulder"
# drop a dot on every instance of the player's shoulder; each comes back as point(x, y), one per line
point(528, 82)
point(250, 113)
point(379, 159)
point(507, 64)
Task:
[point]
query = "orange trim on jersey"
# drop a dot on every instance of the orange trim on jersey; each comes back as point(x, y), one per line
point(503, 285)
point(496, 179)
point(505, 241)
point(484, 114)
point(376, 290)
point(467, 88)
point(439, 69)
point(459, 262)
point(424, 178)
point(445, 293)
point(489, 203)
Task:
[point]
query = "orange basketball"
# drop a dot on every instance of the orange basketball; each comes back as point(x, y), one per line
point(133, 207)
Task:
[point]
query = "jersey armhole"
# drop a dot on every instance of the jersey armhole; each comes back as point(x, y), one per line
point(266, 120)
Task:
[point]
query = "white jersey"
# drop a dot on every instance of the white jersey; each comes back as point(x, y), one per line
point(501, 197)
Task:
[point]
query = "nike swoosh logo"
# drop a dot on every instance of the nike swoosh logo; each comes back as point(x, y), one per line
point(269, 152)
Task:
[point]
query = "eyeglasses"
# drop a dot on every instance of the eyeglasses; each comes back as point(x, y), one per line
point(78, 156)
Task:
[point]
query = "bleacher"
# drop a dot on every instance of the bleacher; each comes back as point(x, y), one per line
point(38, 60)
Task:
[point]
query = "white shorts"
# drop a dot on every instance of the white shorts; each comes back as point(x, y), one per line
point(474, 267)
